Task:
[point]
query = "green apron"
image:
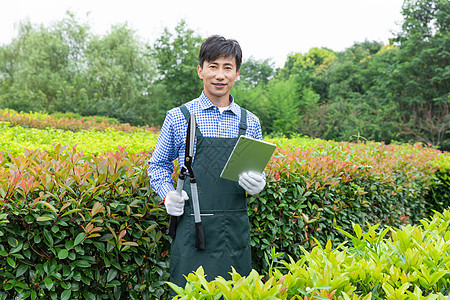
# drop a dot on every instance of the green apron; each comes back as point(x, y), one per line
point(224, 215)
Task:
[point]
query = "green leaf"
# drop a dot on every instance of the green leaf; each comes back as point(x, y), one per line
point(66, 295)
point(40, 270)
point(48, 283)
point(79, 238)
point(55, 229)
point(11, 262)
point(12, 241)
point(116, 264)
point(37, 239)
point(176, 288)
point(21, 270)
point(16, 249)
point(111, 274)
point(358, 230)
point(139, 259)
point(63, 254)
point(115, 283)
point(86, 280)
point(70, 212)
point(20, 285)
point(48, 237)
point(66, 270)
point(68, 244)
point(88, 295)
point(81, 263)
point(51, 207)
point(29, 219)
point(45, 218)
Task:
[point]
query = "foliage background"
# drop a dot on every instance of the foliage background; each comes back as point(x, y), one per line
point(394, 92)
point(79, 222)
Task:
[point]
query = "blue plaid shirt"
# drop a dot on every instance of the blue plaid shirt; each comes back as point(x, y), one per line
point(171, 142)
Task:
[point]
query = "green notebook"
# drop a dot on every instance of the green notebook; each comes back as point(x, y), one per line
point(249, 154)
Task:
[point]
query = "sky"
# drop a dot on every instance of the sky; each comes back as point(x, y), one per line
point(265, 29)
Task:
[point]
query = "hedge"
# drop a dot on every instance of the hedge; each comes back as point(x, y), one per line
point(80, 227)
point(412, 262)
point(94, 142)
point(315, 188)
point(67, 121)
point(81, 224)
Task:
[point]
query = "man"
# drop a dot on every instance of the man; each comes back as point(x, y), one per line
point(222, 202)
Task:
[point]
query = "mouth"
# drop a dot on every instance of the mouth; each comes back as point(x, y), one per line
point(219, 85)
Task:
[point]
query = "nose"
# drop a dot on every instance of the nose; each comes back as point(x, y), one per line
point(220, 74)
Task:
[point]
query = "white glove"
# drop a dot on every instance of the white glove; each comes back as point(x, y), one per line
point(175, 203)
point(252, 182)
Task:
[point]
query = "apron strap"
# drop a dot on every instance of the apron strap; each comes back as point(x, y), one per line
point(243, 123)
point(187, 115)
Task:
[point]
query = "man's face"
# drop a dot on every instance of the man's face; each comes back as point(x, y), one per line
point(218, 78)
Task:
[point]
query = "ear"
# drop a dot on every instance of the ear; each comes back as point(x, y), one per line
point(237, 76)
point(199, 72)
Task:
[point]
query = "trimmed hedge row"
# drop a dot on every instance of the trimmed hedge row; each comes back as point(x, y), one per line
point(80, 227)
point(86, 226)
point(78, 224)
point(319, 186)
point(67, 121)
point(93, 142)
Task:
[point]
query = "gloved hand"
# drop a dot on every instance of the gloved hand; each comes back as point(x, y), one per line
point(175, 203)
point(252, 182)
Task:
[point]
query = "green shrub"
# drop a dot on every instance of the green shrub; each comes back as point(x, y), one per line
point(439, 196)
point(114, 220)
point(67, 121)
point(407, 263)
point(93, 142)
point(316, 186)
point(77, 227)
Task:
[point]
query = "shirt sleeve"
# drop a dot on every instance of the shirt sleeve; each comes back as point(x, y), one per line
point(161, 164)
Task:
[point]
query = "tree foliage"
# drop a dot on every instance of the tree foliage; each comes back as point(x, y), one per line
point(422, 74)
point(176, 58)
point(66, 68)
point(393, 92)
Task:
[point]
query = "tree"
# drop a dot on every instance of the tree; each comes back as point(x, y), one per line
point(421, 80)
point(254, 72)
point(250, 90)
point(65, 68)
point(310, 70)
point(176, 61)
point(345, 75)
point(40, 63)
point(119, 71)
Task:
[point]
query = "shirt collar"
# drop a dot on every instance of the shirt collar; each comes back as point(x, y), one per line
point(205, 103)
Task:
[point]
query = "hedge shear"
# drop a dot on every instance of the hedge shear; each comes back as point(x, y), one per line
point(186, 170)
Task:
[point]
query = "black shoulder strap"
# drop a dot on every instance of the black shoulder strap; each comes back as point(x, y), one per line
point(243, 123)
point(187, 115)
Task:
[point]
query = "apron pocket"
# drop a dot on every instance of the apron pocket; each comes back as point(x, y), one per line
point(238, 230)
point(213, 223)
point(225, 231)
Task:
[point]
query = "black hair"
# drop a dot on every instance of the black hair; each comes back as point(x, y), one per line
point(217, 46)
